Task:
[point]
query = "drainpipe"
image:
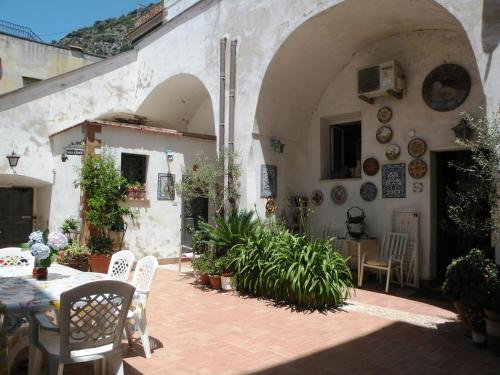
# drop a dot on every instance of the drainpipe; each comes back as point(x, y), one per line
point(232, 99)
point(222, 109)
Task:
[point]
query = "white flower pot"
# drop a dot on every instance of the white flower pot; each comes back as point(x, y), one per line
point(228, 283)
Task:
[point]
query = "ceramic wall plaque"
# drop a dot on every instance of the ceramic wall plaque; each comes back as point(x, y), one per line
point(418, 187)
point(384, 134)
point(417, 147)
point(339, 194)
point(384, 115)
point(394, 180)
point(446, 87)
point(268, 181)
point(317, 197)
point(417, 168)
point(166, 187)
point(371, 166)
point(392, 152)
point(368, 191)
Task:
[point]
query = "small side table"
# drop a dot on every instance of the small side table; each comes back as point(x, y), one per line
point(357, 246)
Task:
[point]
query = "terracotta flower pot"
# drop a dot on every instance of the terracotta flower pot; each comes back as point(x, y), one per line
point(99, 263)
point(204, 279)
point(80, 264)
point(215, 282)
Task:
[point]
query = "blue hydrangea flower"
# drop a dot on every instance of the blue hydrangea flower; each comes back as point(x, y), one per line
point(57, 240)
point(40, 251)
point(36, 237)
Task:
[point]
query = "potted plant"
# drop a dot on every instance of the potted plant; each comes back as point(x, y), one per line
point(202, 265)
point(101, 248)
point(136, 190)
point(492, 307)
point(214, 273)
point(75, 256)
point(228, 276)
point(70, 228)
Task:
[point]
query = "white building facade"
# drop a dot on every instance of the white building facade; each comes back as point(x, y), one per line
point(295, 79)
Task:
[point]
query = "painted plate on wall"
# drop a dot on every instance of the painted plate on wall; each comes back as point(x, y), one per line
point(392, 152)
point(384, 115)
point(368, 191)
point(384, 134)
point(317, 197)
point(417, 147)
point(417, 168)
point(339, 194)
point(371, 166)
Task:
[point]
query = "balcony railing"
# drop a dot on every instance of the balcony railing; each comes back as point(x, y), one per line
point(18, 31)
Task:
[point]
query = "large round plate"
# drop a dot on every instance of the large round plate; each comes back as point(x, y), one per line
point(416, 147)
point(384, 115)
point(317, 197)
point(339, 194)
point(371, 166)
point(446, 87)
point(417, 168)
point(384, 134)
point(368, 191)
point(392, 152)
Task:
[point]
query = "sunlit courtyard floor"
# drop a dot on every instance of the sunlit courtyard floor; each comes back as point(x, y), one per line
point(201, 331)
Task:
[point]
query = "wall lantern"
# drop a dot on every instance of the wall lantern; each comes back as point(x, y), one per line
point(170, 155)
point(277, 145)
point(463, 131)
point(13, 159)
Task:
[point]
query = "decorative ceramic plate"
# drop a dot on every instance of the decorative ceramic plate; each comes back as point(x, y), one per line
point(446, 87)
point(368, 191)
point(417, 168)
point(417, 147)
point(339, 194)
point(392, 152)
point(384, 134)
point(384, 115)
point(371, 166)
point(317, 197)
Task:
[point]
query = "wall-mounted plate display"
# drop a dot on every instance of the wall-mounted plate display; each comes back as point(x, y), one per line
point(384, 115)
point(417, 147)
point(446, 87)
point(368, 191)
point(339, 194)
point(371, 166)
point(384, 134)
point(417, 168)
point(418, 187)
point(392, 152)
point(317, 197)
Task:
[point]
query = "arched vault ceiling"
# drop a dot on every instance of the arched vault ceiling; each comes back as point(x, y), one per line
point(316, 52)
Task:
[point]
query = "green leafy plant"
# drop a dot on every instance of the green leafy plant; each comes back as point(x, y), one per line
point(104, 187)
point(205, 263)
point(491, 293)
point(72, 252)
point(69, 225)
point(273, 263)
point(225, 234)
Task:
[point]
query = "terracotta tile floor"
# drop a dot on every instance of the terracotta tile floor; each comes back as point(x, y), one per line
point(199, 331)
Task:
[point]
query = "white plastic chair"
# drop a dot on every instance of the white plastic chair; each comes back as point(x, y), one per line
point(120, 265)
point(92, 318)
point(391, 257)
point(15, 257)
point(338, 235)
point(144, 274)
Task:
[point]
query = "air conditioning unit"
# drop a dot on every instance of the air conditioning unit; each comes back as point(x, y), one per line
point(378, 80)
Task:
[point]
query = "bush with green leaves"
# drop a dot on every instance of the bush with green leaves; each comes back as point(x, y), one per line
point(491, 294)
point(73, 252)
point(274, 263)
point(205, 263)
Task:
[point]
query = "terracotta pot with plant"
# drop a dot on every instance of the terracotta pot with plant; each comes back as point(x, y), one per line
point(100, 253)
point(214, 274)
point(75, 256)
point(228, 276)
point(202, 267)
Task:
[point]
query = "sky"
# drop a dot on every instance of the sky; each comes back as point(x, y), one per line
point(52, 19)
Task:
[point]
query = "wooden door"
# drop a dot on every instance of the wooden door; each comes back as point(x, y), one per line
point(16, 215)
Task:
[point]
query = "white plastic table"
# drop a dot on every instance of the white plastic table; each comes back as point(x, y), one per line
point(21, 294)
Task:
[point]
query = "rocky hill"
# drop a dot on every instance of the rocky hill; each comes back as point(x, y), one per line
point(104, 38)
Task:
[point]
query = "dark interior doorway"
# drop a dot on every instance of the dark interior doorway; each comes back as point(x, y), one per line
point(16, 215)
point(452, 242)
point(192, 213)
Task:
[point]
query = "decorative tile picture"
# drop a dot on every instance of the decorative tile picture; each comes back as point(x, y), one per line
point(418, 187)
point(268, 181)
point(166, 187)
point(394, 181)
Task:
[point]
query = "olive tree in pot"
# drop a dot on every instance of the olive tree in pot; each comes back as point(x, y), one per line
point(104, 189)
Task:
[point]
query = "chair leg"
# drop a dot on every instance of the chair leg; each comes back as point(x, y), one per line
point(180, 262)
point(128, 334)
point(55, 367)
point(360, 276)
point(387, 282)
point(16, 349)
point(115, 364)
point(143, 330)
point(35, 360)
point(401, 275)
point(100, 367)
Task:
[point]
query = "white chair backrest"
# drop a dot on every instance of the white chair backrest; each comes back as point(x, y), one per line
point(120, 265)
point(15, 257)
point(92, 315)
point(144, 274)
point(394, 245)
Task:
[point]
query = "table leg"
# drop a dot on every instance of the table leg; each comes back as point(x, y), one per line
point(359, 261)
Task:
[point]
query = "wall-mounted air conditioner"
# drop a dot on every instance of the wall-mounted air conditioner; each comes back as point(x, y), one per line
point(378, 80)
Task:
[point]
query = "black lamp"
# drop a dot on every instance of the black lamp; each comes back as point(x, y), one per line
point(13, 159)
point(463, 131)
